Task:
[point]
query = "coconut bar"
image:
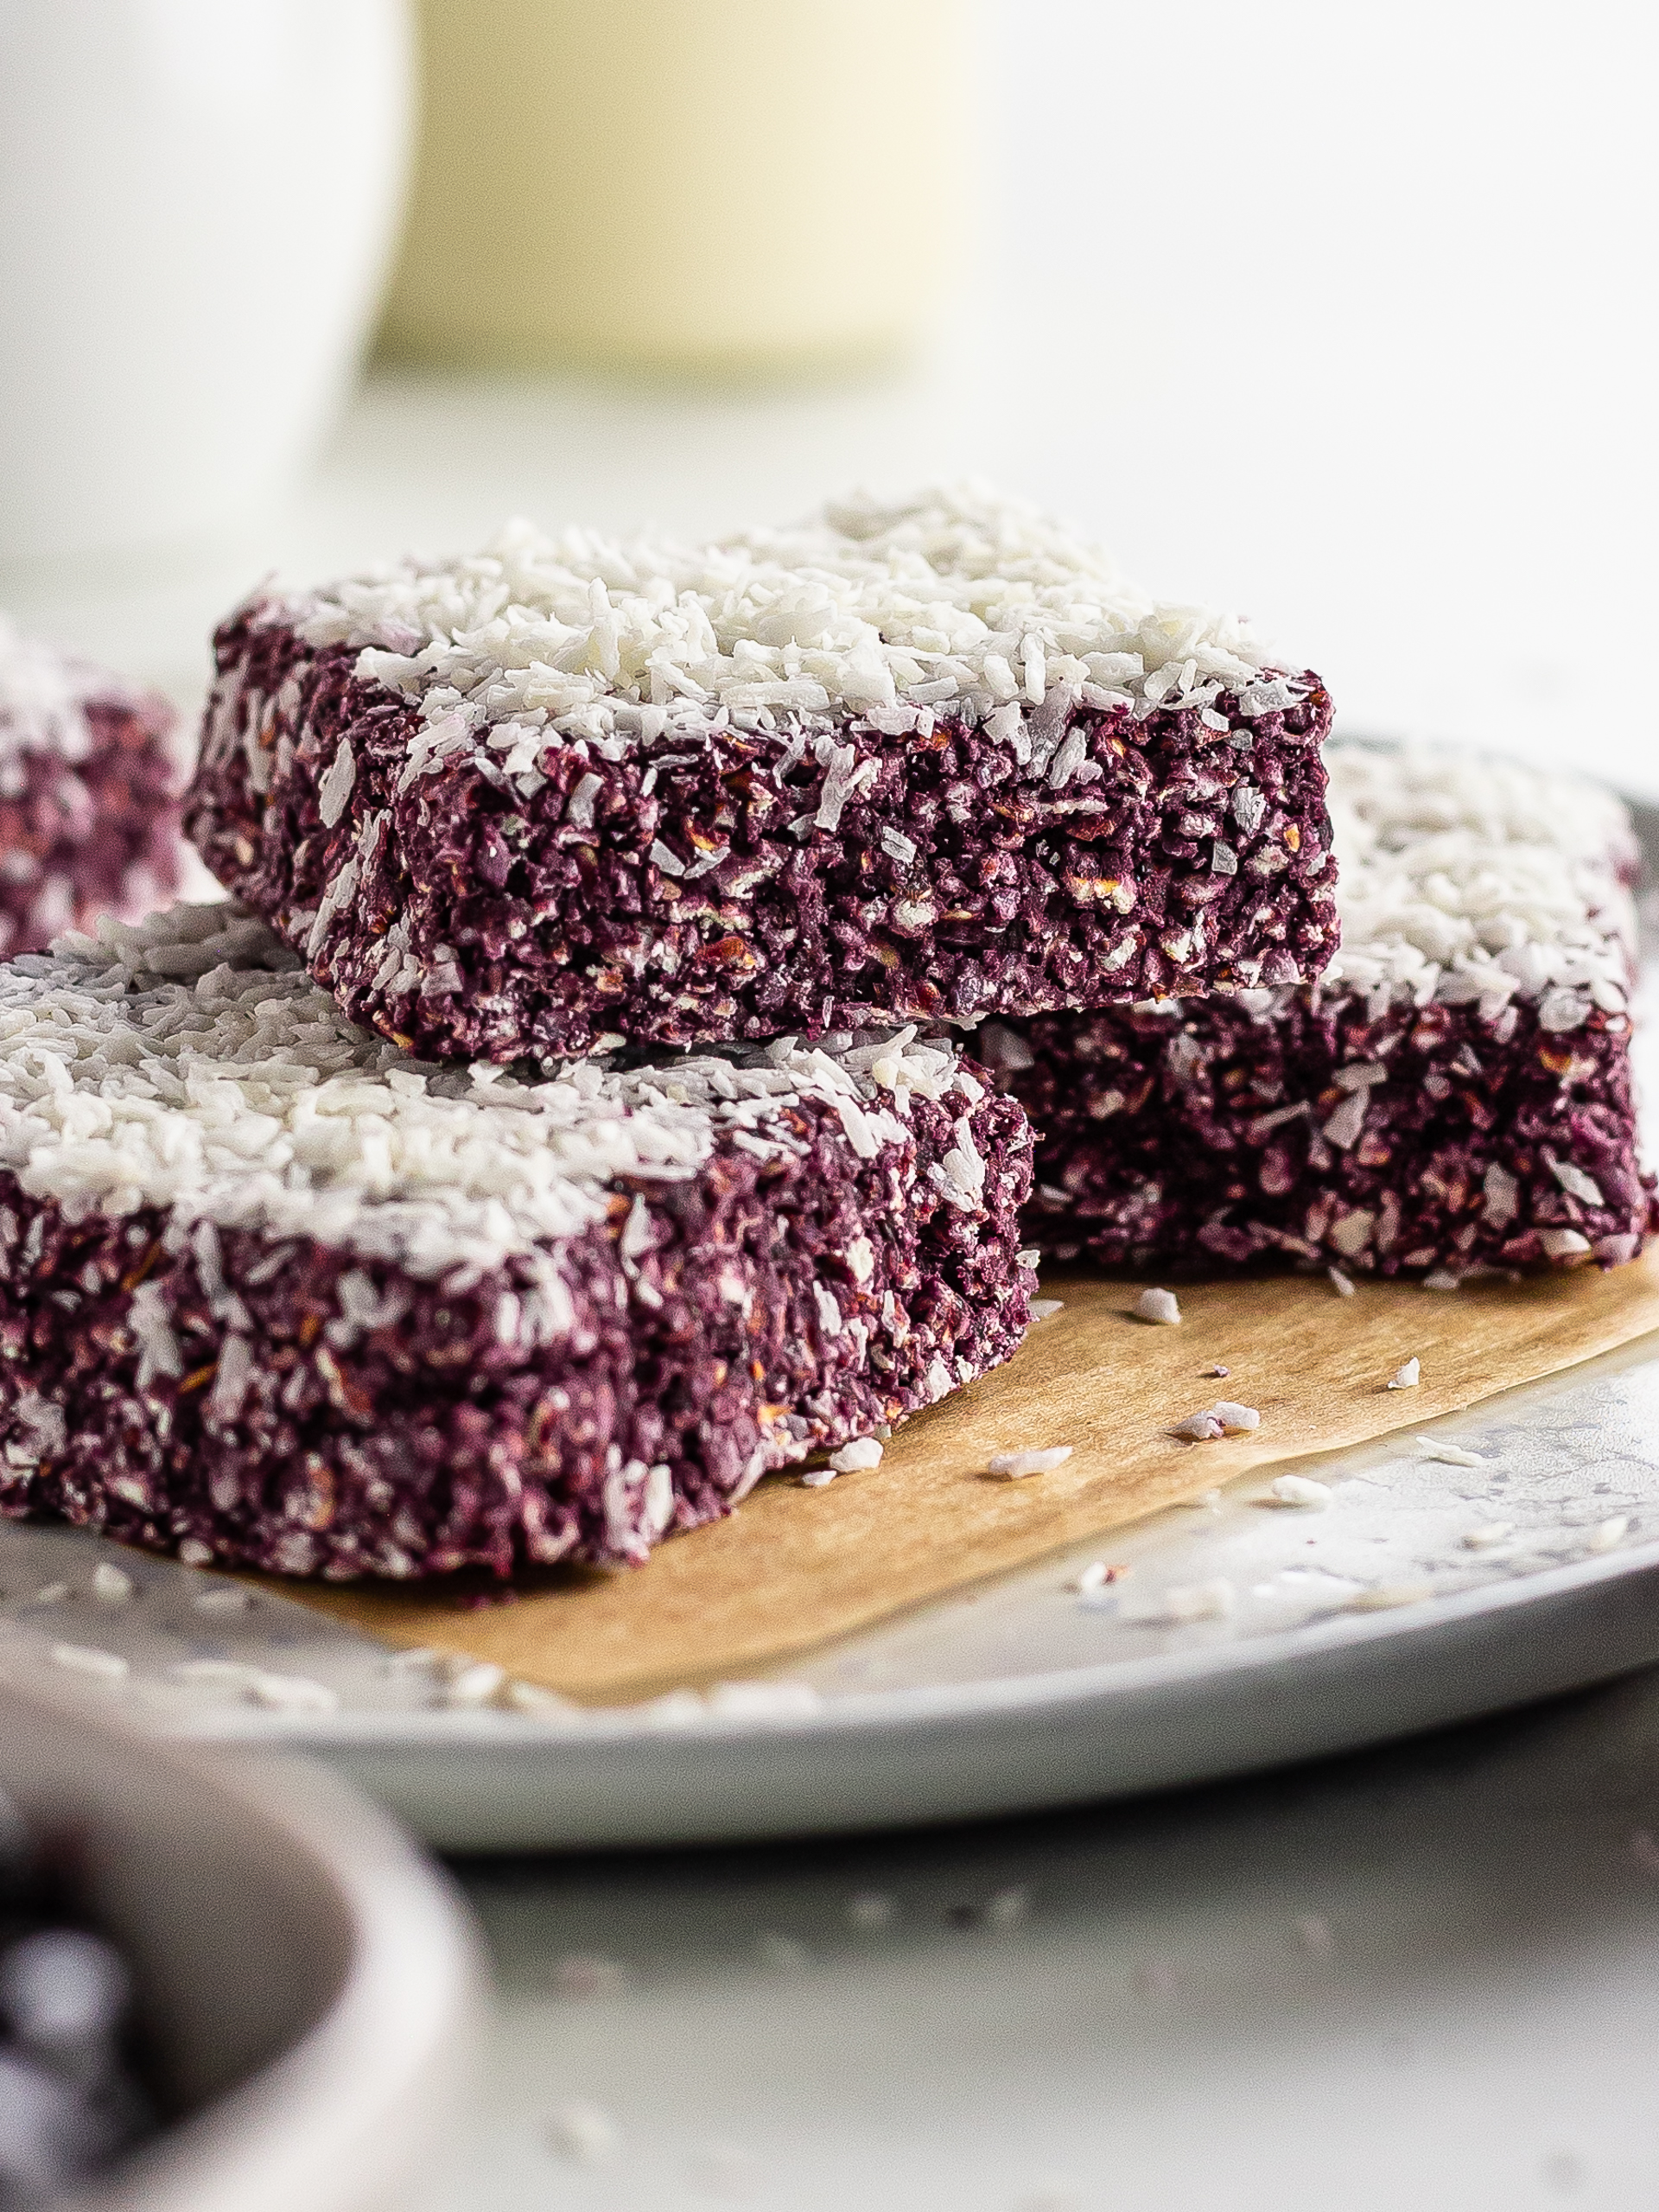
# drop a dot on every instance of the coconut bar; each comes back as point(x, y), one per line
point(89, 804)
point(1455, 1097)
point(274, 1293)
point(931, 760)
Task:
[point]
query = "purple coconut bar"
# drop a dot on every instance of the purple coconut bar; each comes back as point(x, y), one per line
point(89, 803)
point(273, 1292)
point(936, 760)
point(1455, 1097)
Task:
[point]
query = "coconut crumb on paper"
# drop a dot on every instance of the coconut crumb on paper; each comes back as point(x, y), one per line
point(1223, 1419)
point(1158, 1306)
point(1014, 1467)
point(1405, 1377)
point(852, 1458)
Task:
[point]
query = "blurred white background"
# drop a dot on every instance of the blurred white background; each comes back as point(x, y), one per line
point(1339, 316)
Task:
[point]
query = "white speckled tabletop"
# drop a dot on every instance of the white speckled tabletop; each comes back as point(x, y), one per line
point(1423, 1977)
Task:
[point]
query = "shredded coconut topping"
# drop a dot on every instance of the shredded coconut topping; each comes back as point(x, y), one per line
point(955, 599)
point(1466, 878)
point(188, 1063)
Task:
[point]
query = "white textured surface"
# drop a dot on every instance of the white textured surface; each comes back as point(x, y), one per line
point(952, 598)
point(187, 1063)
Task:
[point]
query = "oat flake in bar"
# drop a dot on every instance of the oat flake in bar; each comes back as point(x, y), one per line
point(1455, 1097)
point(89, 795)
point(273, 1292)
point(935, 759)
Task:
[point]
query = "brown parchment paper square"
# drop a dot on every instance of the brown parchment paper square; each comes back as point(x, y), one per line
point(795, 1569)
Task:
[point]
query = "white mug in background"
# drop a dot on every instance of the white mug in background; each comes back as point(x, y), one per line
point(197, 199)
point(702, 186)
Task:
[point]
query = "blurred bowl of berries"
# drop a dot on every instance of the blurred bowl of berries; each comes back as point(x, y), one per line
point(224, 1986)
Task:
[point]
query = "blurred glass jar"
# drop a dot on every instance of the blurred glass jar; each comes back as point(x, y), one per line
point(198, 203)
point(710, 186)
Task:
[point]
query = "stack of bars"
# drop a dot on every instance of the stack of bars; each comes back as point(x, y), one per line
point(563, 1125)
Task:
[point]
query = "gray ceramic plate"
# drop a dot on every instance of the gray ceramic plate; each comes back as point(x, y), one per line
point(1325, 1629)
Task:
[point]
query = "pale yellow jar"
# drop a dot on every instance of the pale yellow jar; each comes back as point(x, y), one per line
point(712, 186)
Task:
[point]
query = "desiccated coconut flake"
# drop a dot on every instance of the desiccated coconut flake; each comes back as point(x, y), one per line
point(519, 1696)
point(112, 1585)
point(291, 1693)
point(1199, 1428)
point(1300, 1489)
point(1385, 1596)
point(1608, 1536)
point(476, 1682)
point(852, 1457)
point(1451, 1455)
point(1489, 1533)
point(1407, 1377)
point(1200, 1601)
point(1013, 1465)
point(818, 1478)
point(1342, 1284)
point(88, 1659)
point(1237, 1419)
point(227, 1597)
point(1159, 1306)
point(1045, 1309)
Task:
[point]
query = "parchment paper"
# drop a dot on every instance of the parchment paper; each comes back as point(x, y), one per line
point(796, 1567)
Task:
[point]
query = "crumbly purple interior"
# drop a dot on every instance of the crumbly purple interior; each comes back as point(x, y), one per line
point(83, 838)
point(1197, 1141)
point(436, 1440)
point(1195, 860)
